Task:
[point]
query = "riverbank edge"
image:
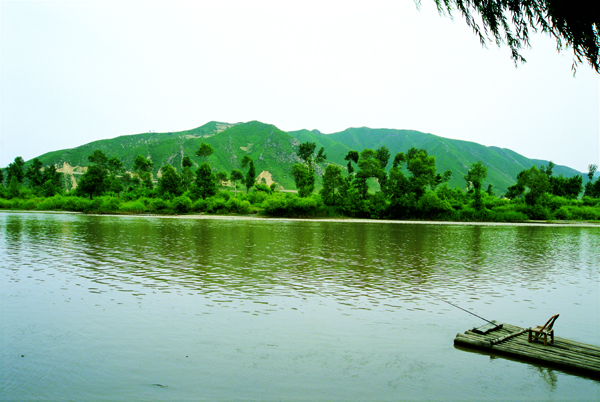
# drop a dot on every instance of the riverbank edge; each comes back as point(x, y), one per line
point(339, 220)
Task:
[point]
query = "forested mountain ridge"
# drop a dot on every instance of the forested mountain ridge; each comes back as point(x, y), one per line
point(274, 151)
point(454, 155)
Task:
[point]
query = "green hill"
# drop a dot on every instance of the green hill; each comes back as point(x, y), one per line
point(273, 151)
point(454, 155)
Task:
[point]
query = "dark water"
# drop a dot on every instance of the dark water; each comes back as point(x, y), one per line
point(134, 308)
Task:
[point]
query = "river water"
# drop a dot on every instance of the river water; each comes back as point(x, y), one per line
point(150, 308)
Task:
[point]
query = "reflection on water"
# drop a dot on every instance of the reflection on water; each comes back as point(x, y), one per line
point(320, 288)
point(256, 257)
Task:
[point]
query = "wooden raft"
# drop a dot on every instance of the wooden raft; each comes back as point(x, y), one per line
point(511, 340)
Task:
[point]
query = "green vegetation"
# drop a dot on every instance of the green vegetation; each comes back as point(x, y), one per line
point(275, 151)
point(450, 155)
point(153, 173)
point(250, 178)
point(412, 189)
point(304, 173)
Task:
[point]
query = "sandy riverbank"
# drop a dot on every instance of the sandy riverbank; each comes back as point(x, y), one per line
point(338, 220)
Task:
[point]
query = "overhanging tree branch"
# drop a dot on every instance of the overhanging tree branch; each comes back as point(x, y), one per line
point(573, 23)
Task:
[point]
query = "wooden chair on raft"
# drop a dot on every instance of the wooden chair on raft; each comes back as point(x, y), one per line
point(538, 331)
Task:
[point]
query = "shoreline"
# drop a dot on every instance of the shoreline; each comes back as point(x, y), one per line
point(337, 220)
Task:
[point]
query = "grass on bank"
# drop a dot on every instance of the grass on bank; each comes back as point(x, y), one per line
point(290, 205)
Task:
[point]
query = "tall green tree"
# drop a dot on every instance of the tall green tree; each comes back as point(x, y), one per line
point(592, 170)
point(235, 176)
point(96, 179)
point(204, 151)
point(221, 177)
point(93, 182)
point(115, 169)
point(398, 185)
point(250, 179)
point(99, 159)
point(421, 165)
point(518, 189)
point(382, 154)
point(332, 181)
point(402, 202)
point(304, 180)
point(143, 168)
point(351, 156)
point(52, 181)
point(1, 178)
point(405, 192)
point(14, 187)
point(592, 189)
point(474, 178)
point(115, 166)
point(369, 166)
point(532, 183)
point(34, 174)
point(16, 169)
point(348, 193)
point(169, 182)
point(567, 187)
point(187, 176)
point(206, 181)
point(304, 173)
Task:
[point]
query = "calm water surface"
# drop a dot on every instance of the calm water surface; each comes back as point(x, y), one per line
point(137, 308)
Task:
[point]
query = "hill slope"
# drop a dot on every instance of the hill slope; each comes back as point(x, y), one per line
point(454, 155)
point(273, 150)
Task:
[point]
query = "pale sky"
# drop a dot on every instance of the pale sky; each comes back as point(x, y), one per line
point(76, 72)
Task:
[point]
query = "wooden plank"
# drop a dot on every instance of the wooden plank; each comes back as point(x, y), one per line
point(506, 337)
point(484, 329)
point(512, 340)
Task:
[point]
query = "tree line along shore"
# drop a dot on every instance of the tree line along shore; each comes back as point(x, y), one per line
point(410, 189)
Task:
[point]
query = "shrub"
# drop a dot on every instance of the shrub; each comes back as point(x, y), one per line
point(226, 195)
point(509, 216)
point(277, 205)
point(77, 204)
point(291, 205)
point(563, 214)
point(256, 197)
point(486, 215)
point(94, 205)
point(556, 202)
point(157, 205)
point(538, 212)
point(52, 203)
point(215, 205)
point(71, 203)
point(235, 205)
point(133, 194)
point(591, 202)
point(5, 204)
point(403, 207)
point(181, 204)
point(200, 205)
point(24, 204)
point(109, 204)
point(585, 213)
point(133, 207)
point(491, 202)
point(147, 201)
point(431, 206)
point(590, 213)
point(375, 206)
point(263, 187)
